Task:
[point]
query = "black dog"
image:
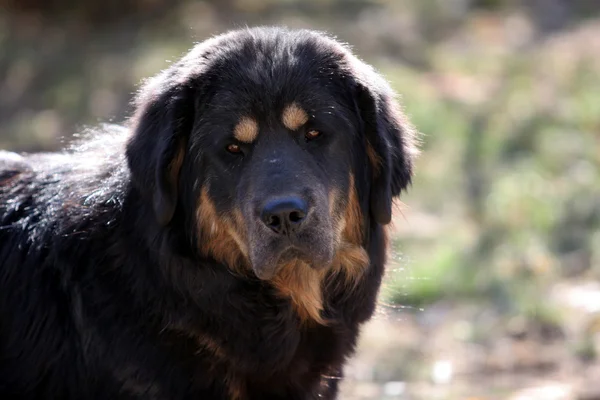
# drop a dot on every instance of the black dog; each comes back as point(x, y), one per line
point(226, 244)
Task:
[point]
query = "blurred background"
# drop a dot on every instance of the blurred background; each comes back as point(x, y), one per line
point(493, 284)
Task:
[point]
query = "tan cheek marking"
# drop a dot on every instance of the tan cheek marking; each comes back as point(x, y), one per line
point(246, 130)
point(294, 117)
point(219, 237)
point(353, 261)
point(351, 257)
point(353, 217)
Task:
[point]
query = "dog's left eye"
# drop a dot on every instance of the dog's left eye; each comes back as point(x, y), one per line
point(312, 134)
point(234, 149)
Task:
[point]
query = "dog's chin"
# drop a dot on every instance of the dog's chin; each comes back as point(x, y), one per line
point(266, 266)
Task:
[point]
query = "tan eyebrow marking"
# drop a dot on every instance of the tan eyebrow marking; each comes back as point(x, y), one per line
point(294, 117)
point(246, 130)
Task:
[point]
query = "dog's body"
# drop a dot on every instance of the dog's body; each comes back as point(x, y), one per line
point(227, 244)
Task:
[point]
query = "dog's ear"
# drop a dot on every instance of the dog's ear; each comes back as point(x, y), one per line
point(390, 142)
point(161, 126)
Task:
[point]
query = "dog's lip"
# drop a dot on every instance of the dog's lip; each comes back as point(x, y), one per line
point(292, 252)
point(289, 253)
point(264, 274)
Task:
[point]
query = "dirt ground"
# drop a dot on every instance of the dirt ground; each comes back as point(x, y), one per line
point(456, 351)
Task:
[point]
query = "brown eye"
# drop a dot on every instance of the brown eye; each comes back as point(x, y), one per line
point(313, 134)
point(234, 149)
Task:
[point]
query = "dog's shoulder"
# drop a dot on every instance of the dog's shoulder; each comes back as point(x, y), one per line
point(11, 165)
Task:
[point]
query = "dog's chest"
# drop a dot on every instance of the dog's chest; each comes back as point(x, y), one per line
point(317, 359)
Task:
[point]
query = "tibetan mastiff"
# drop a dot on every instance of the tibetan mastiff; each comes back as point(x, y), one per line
point(226, 243)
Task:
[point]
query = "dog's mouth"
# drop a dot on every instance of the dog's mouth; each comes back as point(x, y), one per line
point(266, 271)
point(293, 253)
point(266, 266)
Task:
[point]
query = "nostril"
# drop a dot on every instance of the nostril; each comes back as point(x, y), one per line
point(274, 221)
point(296, 216)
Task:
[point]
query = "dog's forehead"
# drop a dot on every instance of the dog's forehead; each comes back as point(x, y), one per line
point(257, 86)
point(270, 72)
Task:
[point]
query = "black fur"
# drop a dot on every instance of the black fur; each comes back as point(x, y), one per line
point(104, 291)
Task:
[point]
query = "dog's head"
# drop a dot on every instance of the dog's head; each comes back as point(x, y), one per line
point(279, 146)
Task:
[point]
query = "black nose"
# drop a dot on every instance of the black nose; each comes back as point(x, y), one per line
point(284, 215)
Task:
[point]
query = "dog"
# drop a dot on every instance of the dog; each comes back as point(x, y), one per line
point(227, 242)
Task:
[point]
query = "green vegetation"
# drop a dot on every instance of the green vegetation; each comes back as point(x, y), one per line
point(509, 172)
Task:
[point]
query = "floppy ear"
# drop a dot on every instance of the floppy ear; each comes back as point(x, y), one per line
point(161, 127)
point(390, 145)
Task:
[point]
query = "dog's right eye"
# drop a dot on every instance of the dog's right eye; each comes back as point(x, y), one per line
point(312, 134)
point(234, 149)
